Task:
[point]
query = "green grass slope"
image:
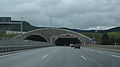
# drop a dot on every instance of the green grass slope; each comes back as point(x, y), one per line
point(98, 36)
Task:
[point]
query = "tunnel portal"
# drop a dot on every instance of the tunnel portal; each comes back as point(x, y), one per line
point(66, 40)
point(52, 35)
point(36, 38)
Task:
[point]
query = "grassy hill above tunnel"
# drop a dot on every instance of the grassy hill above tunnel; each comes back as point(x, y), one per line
point(98, 36)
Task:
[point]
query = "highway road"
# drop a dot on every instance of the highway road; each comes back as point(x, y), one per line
point(59, 56)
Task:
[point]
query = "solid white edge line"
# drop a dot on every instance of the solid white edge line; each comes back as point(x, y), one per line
point(115, 56)
point(83, 57)
point(44, 56)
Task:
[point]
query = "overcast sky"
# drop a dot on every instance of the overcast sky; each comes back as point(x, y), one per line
point(81, 14)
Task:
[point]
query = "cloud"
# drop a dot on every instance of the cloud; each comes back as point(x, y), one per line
point(80, 14)
point(100, 27)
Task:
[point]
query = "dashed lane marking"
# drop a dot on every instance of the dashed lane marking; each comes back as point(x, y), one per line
point(83, 57)
point(44, 56)
point(116, 56)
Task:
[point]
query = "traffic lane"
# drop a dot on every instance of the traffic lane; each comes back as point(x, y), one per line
point(65, 57)
point(101, 50)
point(27, 52)
point(99, 59)
point(25, 59)
point(60, 57)
point(111, 53)
point(70, 57)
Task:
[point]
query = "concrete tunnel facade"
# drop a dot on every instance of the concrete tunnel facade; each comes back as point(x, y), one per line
point(50, 35)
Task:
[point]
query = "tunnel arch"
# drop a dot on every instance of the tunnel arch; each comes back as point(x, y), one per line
point(36, 37)
point(50, 34)
point(65, 40)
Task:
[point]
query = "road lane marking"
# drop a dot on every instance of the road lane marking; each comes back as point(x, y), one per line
point(83, 57)
point(101, 52)
point(116, 56)
point(44, 56)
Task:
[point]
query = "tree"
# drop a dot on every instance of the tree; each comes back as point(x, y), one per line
point(105, 39)
point(112, 40)
point(118, 41)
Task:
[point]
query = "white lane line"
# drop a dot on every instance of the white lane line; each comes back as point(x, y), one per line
point(101, 52)
point(83, 57)
point(116, 56)
point(44, 56)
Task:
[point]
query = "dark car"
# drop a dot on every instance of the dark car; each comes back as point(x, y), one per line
point(77, 46)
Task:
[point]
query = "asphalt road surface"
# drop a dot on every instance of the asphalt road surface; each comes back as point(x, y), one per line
point(61, 57)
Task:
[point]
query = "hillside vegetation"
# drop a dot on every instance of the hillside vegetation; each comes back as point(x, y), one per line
point(3, 34)
point(113, 36)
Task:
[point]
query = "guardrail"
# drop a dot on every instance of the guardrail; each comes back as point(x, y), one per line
point(14, 45)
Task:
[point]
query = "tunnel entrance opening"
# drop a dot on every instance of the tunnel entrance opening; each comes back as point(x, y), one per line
point(66, 41)
point(36, 38)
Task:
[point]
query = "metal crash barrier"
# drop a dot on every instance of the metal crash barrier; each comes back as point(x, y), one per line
point(15, 45)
